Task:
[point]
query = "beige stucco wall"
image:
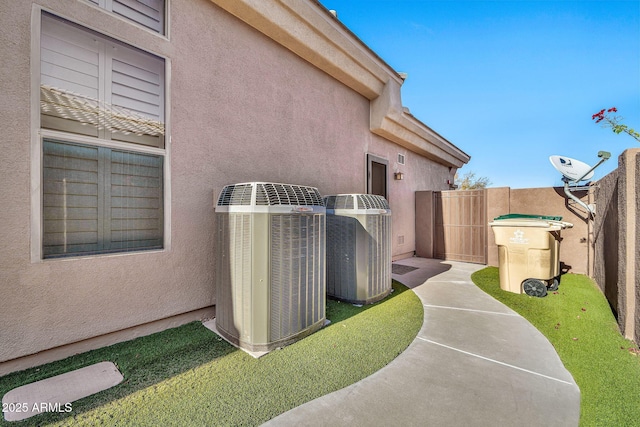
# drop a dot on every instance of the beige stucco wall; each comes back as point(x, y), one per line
point(616, 240)
point(241, 108)
point(606, 230)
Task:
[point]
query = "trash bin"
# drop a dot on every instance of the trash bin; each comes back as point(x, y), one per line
point(529, 252)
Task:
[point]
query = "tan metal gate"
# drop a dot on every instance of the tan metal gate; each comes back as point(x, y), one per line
point(460, 226)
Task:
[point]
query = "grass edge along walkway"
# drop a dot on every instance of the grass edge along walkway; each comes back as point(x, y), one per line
point(190, 376)
point(578, 322)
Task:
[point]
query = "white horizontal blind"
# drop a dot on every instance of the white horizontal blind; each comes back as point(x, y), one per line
point(100, 200)
point(71, 199)
point(69, 61)
point(135, 199)
point(149, 13)
point(137, 85)
point(95, 86)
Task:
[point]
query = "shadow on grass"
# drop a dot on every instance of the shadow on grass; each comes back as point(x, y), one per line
point(143, 362)
point(149, 360)
point(337, 311)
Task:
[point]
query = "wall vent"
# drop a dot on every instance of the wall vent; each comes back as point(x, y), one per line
point(400, 159)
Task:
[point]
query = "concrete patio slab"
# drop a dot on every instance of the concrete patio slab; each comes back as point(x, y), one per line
point(211, 325)
point(57, 393)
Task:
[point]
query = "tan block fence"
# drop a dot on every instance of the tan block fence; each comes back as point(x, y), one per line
point(453, 225)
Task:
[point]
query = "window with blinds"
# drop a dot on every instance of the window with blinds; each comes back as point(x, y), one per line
point(149, 13)
point(100, 200)
point(92, 85)
point(96, 196)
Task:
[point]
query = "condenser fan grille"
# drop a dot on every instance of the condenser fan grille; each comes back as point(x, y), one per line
point(239, 194)
point(286, 194)
point(348, 201)
point(269, 194)
point(370, 201)
point(341, 201)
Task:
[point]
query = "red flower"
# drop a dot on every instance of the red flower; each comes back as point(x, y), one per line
point(612, 110)
point(599, 115)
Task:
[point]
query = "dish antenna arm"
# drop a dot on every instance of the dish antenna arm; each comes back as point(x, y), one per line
point(604, 156)
point(569, 194)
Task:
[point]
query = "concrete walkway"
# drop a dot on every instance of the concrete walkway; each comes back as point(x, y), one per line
point(475, 362)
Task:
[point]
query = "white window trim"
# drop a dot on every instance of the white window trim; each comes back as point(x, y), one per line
point(38, 135)
point(97, 142)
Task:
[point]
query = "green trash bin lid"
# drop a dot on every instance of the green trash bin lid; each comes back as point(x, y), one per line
point(528, 216)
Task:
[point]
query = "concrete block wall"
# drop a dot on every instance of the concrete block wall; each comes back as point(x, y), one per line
point(605, 238)
point(616, 241)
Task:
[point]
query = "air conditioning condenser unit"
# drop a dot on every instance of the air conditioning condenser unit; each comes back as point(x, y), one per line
point(269, 264)
point(358, 247)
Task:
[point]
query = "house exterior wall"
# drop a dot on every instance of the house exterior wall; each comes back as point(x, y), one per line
point(241, 107)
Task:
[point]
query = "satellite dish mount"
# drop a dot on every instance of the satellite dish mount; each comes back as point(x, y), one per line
point(573, 171)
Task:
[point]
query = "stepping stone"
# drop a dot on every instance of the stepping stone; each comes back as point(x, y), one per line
point(56, 394)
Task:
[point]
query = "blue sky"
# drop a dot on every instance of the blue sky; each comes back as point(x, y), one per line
point(511, 82)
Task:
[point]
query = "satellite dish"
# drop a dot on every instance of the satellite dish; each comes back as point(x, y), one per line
point(572, 169)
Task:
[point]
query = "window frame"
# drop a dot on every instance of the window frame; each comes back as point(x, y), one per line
point(371, 158)
point(106, 6)
point(38, 135)
point(115, 74)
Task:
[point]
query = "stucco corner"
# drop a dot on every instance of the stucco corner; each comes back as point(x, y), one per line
point(389, 119)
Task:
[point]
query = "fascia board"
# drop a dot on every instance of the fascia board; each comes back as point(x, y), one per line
point(318, 38)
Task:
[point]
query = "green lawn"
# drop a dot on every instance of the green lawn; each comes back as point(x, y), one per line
point(579, 323)
point(189, 376)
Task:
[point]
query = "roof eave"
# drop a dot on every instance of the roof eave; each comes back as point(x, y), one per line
point(310, 31)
